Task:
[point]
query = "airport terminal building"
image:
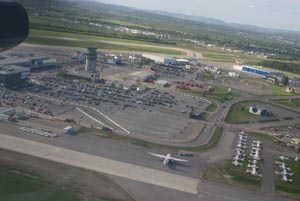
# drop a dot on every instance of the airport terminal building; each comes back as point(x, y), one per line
point(13, 76)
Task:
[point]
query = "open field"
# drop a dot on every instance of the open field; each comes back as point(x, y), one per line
point(226, 172)
point(27, 178)
point(289, 103)
point(16, 185)
point(212, 107)
point(262, 136)
point(39, 32)
point(290, 187)
point(99, 45)
point(238, 112)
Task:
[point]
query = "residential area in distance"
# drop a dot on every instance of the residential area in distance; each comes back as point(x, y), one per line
point(106, 102)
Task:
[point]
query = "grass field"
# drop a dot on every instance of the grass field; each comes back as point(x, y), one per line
point(220, 94)
point(16, 185)
point(211, 108)
point(106, 46)
point(215, 139)
point(88, 37)
point(290, 187)
point(226, 172)
point(238, 113)
point(289, 103)
point(262, 136)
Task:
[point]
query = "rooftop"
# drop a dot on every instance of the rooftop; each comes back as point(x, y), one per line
point(12, 69)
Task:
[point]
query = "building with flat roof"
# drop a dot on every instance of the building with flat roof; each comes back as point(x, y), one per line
point(33, 63)
point(13, 76)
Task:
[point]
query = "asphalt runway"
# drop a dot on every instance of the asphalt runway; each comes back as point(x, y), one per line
point(115, 150)
point(100, 164)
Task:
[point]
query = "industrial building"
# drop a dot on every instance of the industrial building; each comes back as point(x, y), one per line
point(91, 59)
point(33, 63)
point(166, 60)
point(252, 70)
point(13, 76)
point(6, 113)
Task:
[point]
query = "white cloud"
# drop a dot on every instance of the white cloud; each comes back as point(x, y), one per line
point(252, 6)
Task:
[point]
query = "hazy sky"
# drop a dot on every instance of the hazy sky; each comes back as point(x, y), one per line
point(282, 14)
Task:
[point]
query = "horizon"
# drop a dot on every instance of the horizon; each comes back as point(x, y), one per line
point(270, 14)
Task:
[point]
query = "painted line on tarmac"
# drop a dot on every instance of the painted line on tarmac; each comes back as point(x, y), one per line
point(85, 106)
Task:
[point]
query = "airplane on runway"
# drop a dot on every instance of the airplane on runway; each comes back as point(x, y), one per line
point(283, 158)
point(237, 163)
point(167, 158)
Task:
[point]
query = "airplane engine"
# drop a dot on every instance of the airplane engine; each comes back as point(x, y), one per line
point(14, 25)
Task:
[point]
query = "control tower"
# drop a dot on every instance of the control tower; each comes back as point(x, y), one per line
point(91, 59)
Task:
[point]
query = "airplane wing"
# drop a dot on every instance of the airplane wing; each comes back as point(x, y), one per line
point(157, 155)
point(177, 159)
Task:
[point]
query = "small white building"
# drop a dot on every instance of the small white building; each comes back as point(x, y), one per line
point(233, 74)
point(257, 110)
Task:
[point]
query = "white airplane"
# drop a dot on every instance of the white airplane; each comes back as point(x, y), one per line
point(283, 158)
point(237, 157)
point(283, 166)
point(243, 133)
point(284, 178)
point(255, 156)
point(285, 172)
point(253, 161)
point(237, 163)
point(254, 153)
point(279, 162)
point(240, 153)
point(252, 166)
point(239, 149)
point(254, 145)
point(241, 146)
point(256, 148)
point(167, 158)
point(253, 172)
point(242, 142)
